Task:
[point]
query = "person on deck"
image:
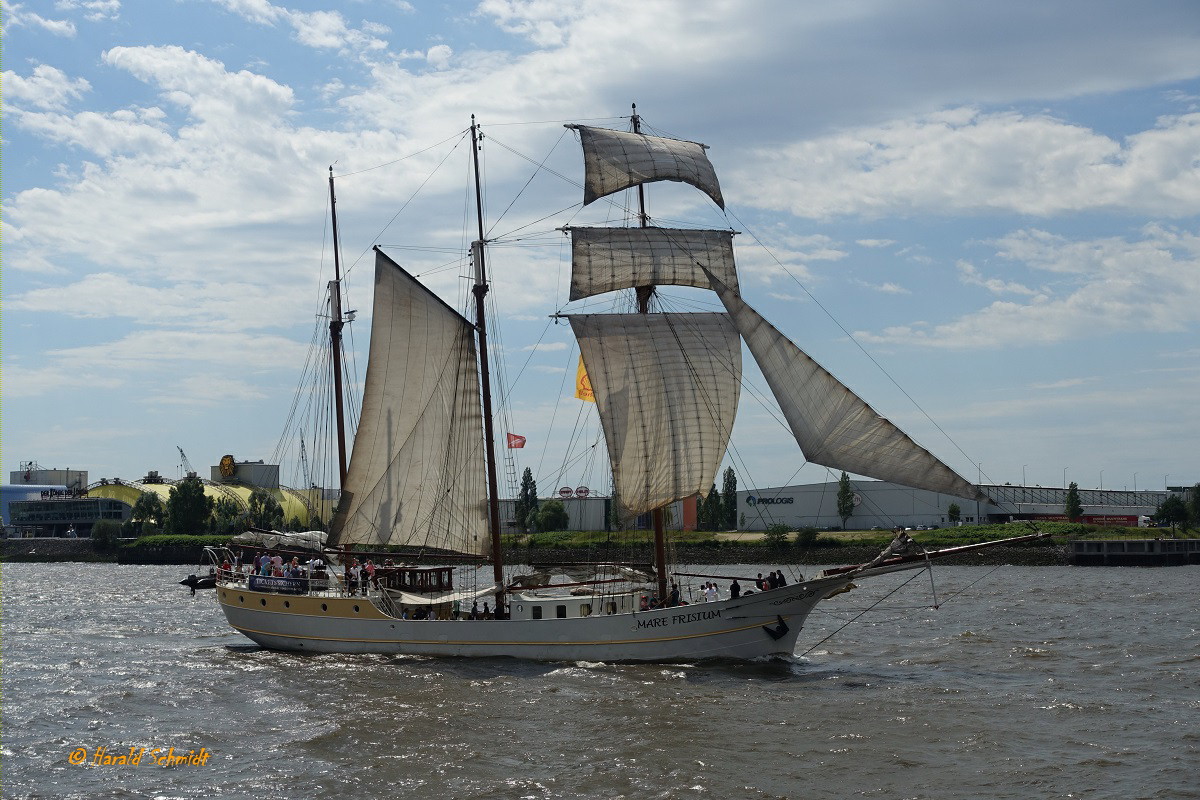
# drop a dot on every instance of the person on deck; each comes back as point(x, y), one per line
point(735, 590)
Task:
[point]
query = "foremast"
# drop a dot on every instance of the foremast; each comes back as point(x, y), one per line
point(480, 290)
point(644, 293)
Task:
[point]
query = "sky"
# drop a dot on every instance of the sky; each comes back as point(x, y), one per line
point(983, 217)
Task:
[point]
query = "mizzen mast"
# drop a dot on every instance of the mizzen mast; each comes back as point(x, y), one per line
point(480, 291)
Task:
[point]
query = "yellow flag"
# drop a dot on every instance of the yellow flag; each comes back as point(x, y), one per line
point(583, 386)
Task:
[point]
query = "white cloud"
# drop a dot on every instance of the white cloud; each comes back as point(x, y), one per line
point(317, 29)
point(17, 16)
point(873, 243)
point(963, 160)
point(439, 56)
point(48, 88)
point(1116, 286)
point(969, 275)
point(886, 288)
point(547, 347)
point(94, 10)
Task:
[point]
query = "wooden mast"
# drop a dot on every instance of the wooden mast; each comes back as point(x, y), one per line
point(644, 293)
point(336, 323)
point(480, 290)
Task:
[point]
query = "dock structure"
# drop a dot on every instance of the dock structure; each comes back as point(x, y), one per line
point(1134, 552)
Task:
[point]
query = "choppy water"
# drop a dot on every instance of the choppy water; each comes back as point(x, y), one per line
point(1033, 683)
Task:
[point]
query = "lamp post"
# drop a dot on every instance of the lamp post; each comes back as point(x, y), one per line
point(1064, 477)
point(1102, 480)
point(1135, 481)
point(1023, 483)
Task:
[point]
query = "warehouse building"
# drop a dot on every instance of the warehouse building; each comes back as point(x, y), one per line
point(878, 504)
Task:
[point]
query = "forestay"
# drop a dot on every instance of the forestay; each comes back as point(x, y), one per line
point(833, 426)
point(616, 160)
point(666, 389)
point(608, 259)
point(416, 476)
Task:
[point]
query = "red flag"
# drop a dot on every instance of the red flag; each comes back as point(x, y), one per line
point(515, 441)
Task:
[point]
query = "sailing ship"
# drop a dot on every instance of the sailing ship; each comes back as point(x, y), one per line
point(422, 474)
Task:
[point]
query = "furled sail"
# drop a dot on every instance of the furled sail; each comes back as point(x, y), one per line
point(608, 259)
point(416, 475)
point(616, 160)
point(666, 388)
point(833, 426)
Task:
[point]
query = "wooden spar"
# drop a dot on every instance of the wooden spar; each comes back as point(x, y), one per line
point(644, 293)
point(480, 290)
point(932, 554)
point(335, 337)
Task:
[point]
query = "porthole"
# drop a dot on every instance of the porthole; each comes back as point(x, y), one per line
point(264, 602)
point(324, 606)
point(241, 598)
point(356, 609)
point(287, 603)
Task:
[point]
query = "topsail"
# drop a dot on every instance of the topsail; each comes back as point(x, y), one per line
point(616, 160)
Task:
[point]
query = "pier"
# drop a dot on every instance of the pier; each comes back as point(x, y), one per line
point(1134, 552)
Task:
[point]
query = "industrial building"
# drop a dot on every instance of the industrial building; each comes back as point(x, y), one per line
point(54, 502)
point(878, 504)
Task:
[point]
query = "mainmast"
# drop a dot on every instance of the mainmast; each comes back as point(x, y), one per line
point(480, 290)
point(336, 323)
point(644, 293)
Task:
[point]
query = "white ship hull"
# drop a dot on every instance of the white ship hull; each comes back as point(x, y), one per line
point(753, 626)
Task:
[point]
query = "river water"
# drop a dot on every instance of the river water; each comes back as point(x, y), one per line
point(1032, 682)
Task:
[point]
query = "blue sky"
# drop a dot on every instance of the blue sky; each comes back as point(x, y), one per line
point(998, 202)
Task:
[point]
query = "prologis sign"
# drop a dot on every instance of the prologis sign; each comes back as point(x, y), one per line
point(752, 500)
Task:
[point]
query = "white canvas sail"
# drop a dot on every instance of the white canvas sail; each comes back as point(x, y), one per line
point(416, 476)
point(666, 388)
point(616, 160)
point(833, 426)
point(608, 259)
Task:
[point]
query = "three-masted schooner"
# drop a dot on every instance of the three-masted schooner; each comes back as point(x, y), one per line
point(422, 471)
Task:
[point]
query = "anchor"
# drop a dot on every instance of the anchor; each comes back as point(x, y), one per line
point(779, 631)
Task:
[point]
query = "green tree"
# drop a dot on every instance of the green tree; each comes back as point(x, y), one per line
point(105, 533)
point(711, 511)
point(227, 516)
point(265, 511)
point(552, 516)
point(527, 501)
point(776, 535)
point(148, 508)
point(188, 507)
point(729, 499)
point(1074, 507)
point(1193, 505)
point(954, 513)
point(845, 499)
point(806, 537)
point(1173, 511)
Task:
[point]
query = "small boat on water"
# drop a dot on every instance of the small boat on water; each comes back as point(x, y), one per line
point(422, 477)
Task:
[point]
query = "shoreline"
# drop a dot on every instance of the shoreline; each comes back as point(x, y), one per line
point(15, 551)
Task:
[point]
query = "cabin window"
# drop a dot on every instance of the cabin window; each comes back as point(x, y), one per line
point(585, 609)
point(537, 612)
point(560, 612)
